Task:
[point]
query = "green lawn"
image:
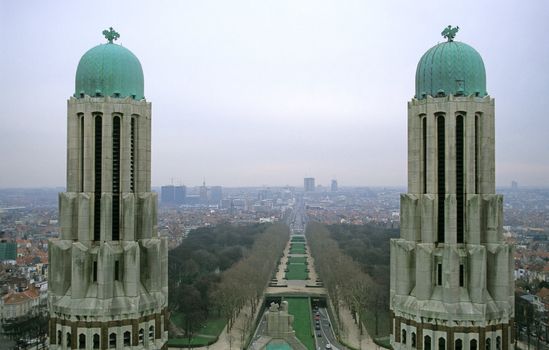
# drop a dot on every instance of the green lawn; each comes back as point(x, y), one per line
point(195, 342)
point(297, 248)
point(208, 333)
point(301, 309)
point(297, 268)
point(213, 327)
point(298, 238)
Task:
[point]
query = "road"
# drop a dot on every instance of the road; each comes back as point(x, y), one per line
point(297, 220)
point(326, 332)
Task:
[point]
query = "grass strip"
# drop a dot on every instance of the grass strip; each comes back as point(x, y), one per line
point(301, 309)
point(298, 248)
point(195, 342)
point(297, 260)
point(297, 268)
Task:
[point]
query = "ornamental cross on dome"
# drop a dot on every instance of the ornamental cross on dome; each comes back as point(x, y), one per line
point(450, 32)
point(111, 35)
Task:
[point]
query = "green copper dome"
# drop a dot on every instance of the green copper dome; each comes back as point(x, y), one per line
point(109, 70)
point(450, 68)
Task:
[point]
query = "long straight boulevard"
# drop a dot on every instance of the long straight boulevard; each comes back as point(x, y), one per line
point(297, 283)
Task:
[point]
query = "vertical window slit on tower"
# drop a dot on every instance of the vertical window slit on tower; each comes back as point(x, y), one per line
point(424, 136)
point(94, 271)
point(477, 139)
point(132, 155)
point(97, 186)
point(441, 176)
point(115, 178)
point(116, 270)
point(461, 275)
point(439, 274)
point(81, 121)
point(459, 180)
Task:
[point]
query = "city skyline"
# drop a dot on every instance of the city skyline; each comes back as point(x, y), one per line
point(273, 92)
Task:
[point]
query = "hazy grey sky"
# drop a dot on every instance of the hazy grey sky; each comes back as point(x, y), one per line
point(267, 92)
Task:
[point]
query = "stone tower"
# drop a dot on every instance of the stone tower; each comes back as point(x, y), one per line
point(451, 272)
point(108, 269)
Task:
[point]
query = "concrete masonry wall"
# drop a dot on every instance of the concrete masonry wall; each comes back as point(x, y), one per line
point(433, 303)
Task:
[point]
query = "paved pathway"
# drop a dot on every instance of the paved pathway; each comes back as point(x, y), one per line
point(350, 334)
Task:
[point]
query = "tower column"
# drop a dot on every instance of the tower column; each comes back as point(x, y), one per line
point(108, 222)
point(451, 262)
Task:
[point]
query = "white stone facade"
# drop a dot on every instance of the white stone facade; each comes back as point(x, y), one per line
point(452, 281)
point(108, 269)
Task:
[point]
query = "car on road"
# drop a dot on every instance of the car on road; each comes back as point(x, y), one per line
point(318, 335)
point(328, 346)
point(317, 327)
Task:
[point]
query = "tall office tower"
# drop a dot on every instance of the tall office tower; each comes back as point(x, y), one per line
point(179, 194)
point(309, 184)
point(108, 283)
point(203, 193)
point(451, 272)
point(333, 186)
point(170, 194)
point(167, 194)
point(216, 194)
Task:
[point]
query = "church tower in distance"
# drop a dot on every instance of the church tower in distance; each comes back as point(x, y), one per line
point(108, 270)
point(452, 281)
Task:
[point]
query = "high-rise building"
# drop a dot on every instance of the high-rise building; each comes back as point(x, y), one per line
point(167, 194)
point(451, 271)
point(514, 185)
point(203, 192)
point(216, 194)
point(108, 282)
point(171, 194)
point(226, 203)
point(179, 194)
point(309, 184)
point(333, 186)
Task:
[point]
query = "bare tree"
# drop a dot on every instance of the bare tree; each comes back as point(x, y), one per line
point(246, 280)
point(344, 278)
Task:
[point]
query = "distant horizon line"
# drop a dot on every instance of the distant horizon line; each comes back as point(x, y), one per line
point(273, 186)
